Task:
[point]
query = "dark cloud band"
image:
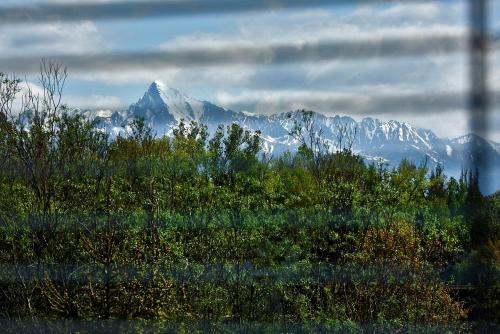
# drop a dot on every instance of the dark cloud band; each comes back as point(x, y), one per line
point(141, 9)
point(260, 55)
point(362, 105)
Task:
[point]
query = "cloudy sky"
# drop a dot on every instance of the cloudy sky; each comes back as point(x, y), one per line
point(403, 61)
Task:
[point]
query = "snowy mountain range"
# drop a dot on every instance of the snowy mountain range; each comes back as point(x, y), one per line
point(163, 107)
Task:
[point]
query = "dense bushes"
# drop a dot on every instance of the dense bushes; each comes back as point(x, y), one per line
point(291, 266)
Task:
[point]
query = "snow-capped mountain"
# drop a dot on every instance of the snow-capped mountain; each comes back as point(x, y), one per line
point(163, 107)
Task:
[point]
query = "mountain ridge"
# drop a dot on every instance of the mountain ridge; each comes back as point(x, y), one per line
point(163, 107)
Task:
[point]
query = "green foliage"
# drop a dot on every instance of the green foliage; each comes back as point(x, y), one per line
point(198, 228)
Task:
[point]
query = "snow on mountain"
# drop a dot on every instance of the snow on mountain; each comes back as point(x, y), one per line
point(178, 104)
point(163, 107)
point(496, 146)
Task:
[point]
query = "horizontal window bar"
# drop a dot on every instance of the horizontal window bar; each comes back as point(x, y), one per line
point(262, 55)
point(141, 9)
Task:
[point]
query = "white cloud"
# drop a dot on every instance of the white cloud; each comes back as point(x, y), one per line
point(51, 39)
point(178, 77)
point(93, 101)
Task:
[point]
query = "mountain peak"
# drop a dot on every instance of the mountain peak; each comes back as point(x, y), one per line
point(467, 139)
point(171, 101)
point(166, 92)
point(158, 83)
point(156, 87)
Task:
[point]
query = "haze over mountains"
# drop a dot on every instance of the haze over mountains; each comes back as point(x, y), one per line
point(163, 107)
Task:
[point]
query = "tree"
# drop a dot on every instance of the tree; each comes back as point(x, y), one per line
point(310, 137)
point(32, 131)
